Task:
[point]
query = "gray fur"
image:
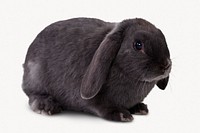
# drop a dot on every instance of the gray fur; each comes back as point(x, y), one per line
point(89, 65)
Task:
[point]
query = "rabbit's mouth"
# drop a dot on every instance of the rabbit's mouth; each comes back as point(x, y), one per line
point(156, 76)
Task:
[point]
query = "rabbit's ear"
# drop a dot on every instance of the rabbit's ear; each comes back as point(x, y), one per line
point(98, 69)
point(163, 83)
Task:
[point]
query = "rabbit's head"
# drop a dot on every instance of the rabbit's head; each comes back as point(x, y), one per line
point(138, 48)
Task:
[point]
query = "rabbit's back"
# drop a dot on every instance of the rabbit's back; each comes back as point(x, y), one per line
point(68, 35)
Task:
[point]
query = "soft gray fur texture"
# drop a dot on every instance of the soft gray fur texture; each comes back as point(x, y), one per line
point(89, 65)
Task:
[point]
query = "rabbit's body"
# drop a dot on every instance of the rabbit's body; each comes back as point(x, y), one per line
point(62, 56)
point(63, 59)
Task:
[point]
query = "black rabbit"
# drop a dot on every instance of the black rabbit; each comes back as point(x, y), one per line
point(89, 65)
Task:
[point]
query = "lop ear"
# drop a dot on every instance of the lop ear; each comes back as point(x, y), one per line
point(98, 69)
point(163, 83)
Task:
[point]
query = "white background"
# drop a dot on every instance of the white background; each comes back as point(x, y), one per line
point(177, 109)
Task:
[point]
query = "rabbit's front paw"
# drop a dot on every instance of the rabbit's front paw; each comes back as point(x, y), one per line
point(139, 109)
point(119, 115)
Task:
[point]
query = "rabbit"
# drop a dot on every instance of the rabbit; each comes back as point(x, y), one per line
point(97, 67)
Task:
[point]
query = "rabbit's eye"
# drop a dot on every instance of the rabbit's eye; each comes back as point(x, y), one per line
point(138, 45)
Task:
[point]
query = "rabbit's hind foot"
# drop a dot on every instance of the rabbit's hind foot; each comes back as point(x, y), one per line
point(44, 104)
